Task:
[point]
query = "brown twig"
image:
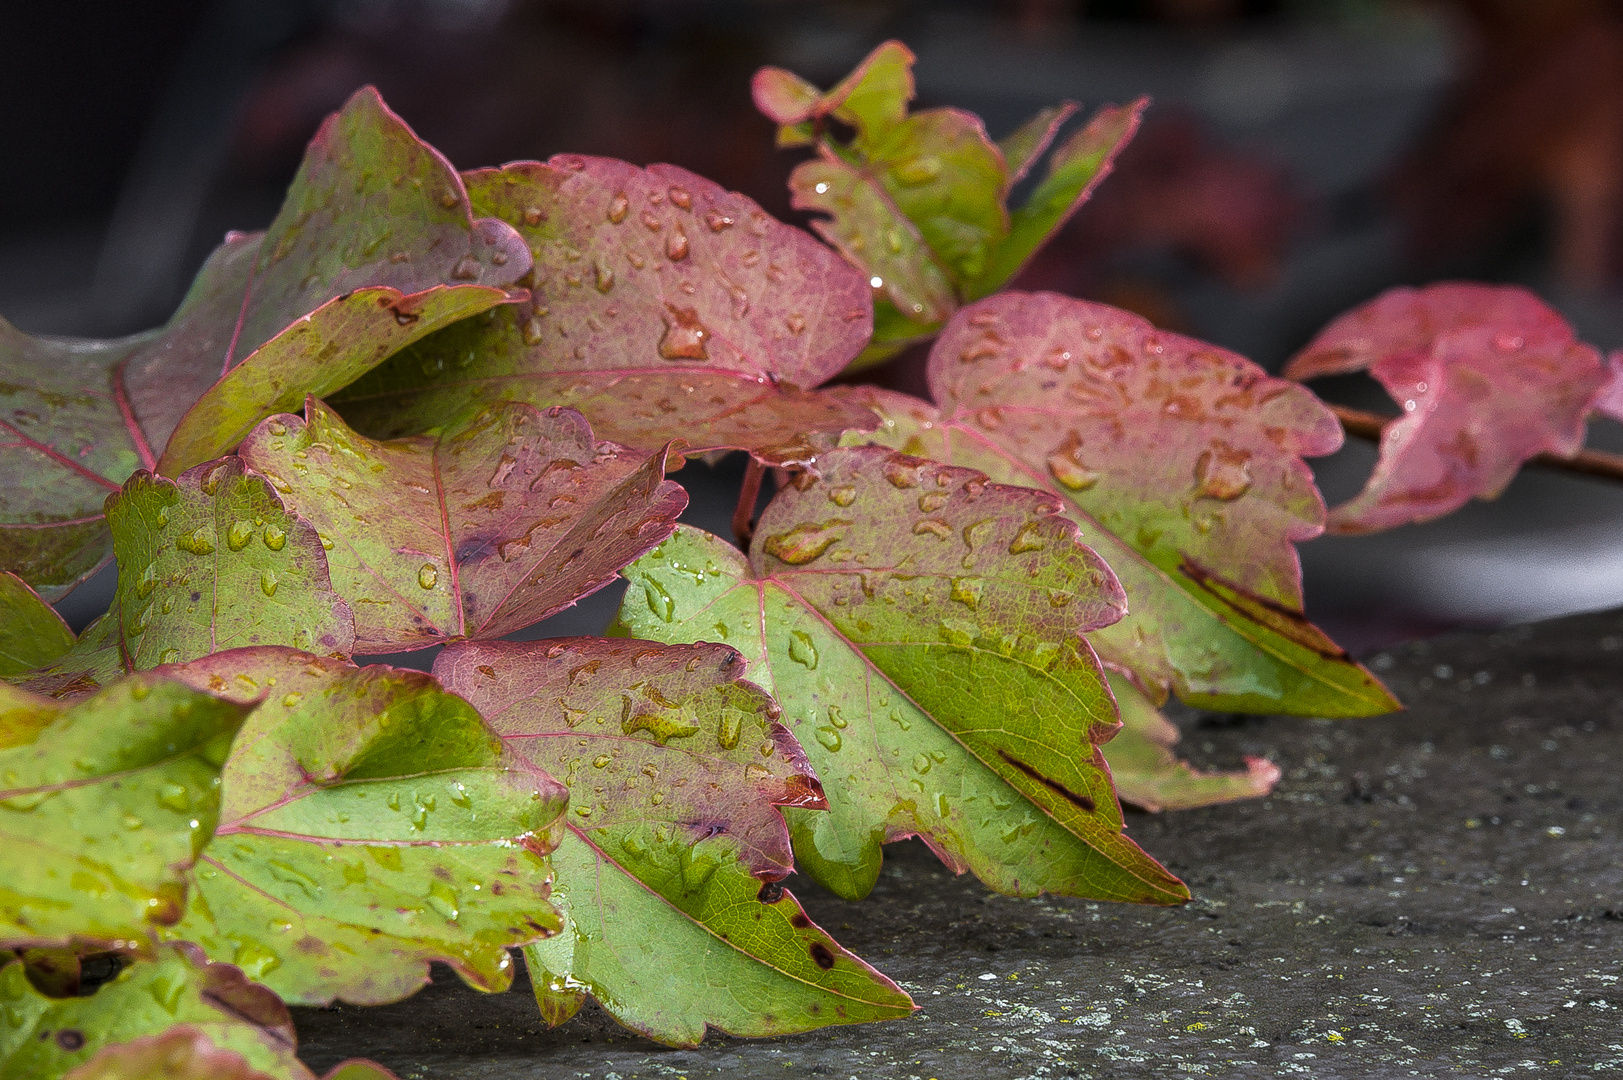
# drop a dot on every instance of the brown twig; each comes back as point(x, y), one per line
point(1368, 425)
point(744, 512)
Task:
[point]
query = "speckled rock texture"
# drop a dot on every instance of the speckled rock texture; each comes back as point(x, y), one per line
point(1434, 893)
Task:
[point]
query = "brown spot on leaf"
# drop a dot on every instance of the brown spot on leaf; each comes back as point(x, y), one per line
point(821, 956)
point(1083, 801)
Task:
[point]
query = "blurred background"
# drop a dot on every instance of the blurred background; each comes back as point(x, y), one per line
point(1301, 156)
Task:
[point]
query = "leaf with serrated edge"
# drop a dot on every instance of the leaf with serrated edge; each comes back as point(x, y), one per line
point(482, 531)
point(371, 822)
point(1147, 774)
point(192, 1011)
point(1488, 376)
point(32, 634)
point(1188, 630)
point(372, 205)
point(923, 631)
point(103, 806)
point(676, 769)
point(213, 561)
point(664, 307)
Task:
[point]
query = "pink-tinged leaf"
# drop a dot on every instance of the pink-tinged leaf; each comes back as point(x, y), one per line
point(1609, 398)
point(172, 1017)
point(1189, 630)
point(32, 634)
point(1149, 776)
point(1023, 146)
point(663, 307)
point(186, 1053)
point(482, 531)
point(922, 629)
point(353, 797)
point(214, 560)
point(371, 206)
point(674, 847)
point(93, 661)
point(1488, 376)
point(873, 98)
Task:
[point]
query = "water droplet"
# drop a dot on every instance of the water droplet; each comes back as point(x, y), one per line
point(175, 796)
point(326, 542)
point(291, 700)
point(162, 519)
point(967, 591)
point(275, 538)
point(921, 763)
point(1223, 472)
point(605, 277)
point(618, 207)
point(901, 475)
point(444, 899)
point(1507, 342)
point(428, 575)
point(681, 198)
point(534, 215)
point(267, 581)
point(660, 602)
point(531, 330)
point(169, 656)
point(806, 541)
point(466, 269)
point(718, 221)
point(801, 649)
point(684, 335)
point(255, 960)
point(197, 541)
point(1069, 471)
point(1026, 539)
point(900, 721)
point(211, 481)
point(131, 822)
point(796, 323)
point(729, 728)
point(147, 582)
point(919, 170)
point(931, 501)
point(676, 245)
point(829, 738)
point(600, 761)
point(237, 537)
point(755, 772)
point(934, 526)
point(844, 495)
point(836, 718)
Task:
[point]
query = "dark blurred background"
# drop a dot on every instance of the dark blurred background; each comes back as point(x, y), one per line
point(1301, 156)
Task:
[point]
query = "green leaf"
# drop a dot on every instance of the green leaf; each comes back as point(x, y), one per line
point(478, 533)
point(664, 307)
point(176, 1016)
point(919, 202)
point(371, 822)
point(325, 351)
point(95, 660)
point(371, 206)
point(667, 874)
point(32, 634)
point(1096, 405)
point(922, 630)
point(1147, 774)
point(214, 561)
point(103, 806)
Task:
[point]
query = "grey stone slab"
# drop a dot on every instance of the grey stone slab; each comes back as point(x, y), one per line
point(1434, 893)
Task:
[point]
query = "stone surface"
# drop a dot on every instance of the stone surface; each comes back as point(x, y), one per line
point(1435, 893)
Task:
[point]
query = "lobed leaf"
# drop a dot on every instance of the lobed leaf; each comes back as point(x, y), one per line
point(485, 530)
point(1488, 376)
point(667, 874)
point(1094, 404)
point(923, 630)
point(1148, 775)
point(104, 804)
point(215, 561)
point(32, 634)
point(919, 202)
point(371, 823)
point(663, 307)
point(176, 1016)
point(375, 245)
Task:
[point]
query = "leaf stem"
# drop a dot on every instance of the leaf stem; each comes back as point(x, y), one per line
point(1368, 425)
point(744, 513)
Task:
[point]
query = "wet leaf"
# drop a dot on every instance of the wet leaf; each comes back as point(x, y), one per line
point(664, 307)
point(104, 804)
point(371, 207)
point(176, 1016)
point(478, 533)
point(214, 561)
point(1149, 776)
point(674, 845)
point(923, 631)
point(32, 634)
point(1183, 466)
point(1487, 377)
point(920, 202)
point(95, 660)
point(370, 823)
